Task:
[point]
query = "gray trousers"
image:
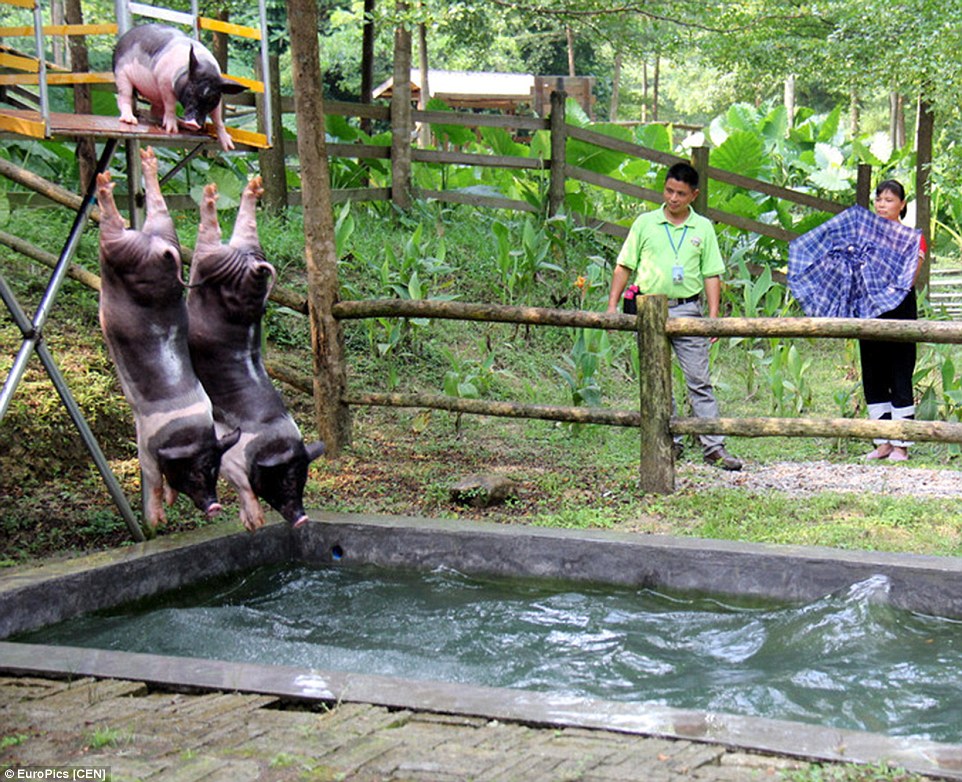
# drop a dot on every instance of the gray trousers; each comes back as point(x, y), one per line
point(692, 355)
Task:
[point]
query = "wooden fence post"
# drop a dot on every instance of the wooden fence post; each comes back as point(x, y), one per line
point(556, 184)
point(699, 159)
point(401, 124)
point(273, 169)
point(863, 185)
point(654, 380)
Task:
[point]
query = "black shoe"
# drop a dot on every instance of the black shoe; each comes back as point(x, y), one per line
point(677, 451)
point(721, 458)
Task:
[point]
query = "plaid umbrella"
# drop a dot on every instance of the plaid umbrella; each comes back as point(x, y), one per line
point(855, 265)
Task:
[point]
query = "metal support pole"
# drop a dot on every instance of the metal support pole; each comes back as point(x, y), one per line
point(41, 65)
point(266, 75)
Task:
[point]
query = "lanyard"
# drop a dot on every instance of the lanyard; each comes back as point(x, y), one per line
point(681, 243)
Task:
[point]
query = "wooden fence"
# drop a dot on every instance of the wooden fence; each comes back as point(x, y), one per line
point(654, 329)
point(558, 170)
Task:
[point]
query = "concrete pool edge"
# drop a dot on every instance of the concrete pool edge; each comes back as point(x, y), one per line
point(792, 572)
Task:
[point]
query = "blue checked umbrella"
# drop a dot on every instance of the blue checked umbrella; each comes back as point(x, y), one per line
point(855, 265)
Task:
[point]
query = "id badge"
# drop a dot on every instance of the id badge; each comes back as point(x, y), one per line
point(677, 275)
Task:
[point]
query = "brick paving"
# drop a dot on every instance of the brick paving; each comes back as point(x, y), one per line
point(141, 734)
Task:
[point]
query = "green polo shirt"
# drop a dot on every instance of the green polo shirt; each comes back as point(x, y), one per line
point(654, 246)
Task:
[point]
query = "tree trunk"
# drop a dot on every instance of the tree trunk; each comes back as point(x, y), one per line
point(570, 35)
point(57, 17)
point(615, 87)
point(897, 120)
point(424, 130)
point(644, 91)
point(854, 118)
point(790, 100)
point(219, 43)
point(80, 63)
point(654, 93)
point(367, 60)
point(923, 196)
point(401, 118)
point(271, 161)
point(330, 379)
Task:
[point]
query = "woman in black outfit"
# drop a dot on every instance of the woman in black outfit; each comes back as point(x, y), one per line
point(887, 367)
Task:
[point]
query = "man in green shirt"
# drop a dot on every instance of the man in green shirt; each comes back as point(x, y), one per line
point(673, 251)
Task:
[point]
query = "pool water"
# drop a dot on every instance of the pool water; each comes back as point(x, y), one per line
point(849, 660)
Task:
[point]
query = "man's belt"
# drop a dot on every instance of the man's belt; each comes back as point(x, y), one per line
point(677, 302)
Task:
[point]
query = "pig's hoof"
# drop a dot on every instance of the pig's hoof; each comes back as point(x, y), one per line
point(256, 187)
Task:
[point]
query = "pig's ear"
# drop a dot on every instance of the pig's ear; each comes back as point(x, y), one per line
point(276, 459)
point(191, 64)
point(230, 87)
point(228, 440)
point(171, 453)
point(314, 450)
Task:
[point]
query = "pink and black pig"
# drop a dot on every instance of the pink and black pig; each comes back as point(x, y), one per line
point(227, 296)
point(144, 320)
point(165, 66)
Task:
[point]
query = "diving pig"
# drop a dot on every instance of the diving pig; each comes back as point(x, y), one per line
point(165, 66)
point(144, 320)
point(227, 295)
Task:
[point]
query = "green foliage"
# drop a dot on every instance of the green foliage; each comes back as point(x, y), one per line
point(851, 772)
point(106, 736)
point(13, 740)
point(590, 351)
point(521, 263)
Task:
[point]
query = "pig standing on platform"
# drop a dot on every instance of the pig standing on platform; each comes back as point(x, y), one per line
point(165, 66)
point(229, 285)
point(144, 320)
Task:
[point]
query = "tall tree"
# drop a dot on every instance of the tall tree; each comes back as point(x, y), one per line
point(330, 378)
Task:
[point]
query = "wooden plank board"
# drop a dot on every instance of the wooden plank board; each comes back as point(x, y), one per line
point(101, 126)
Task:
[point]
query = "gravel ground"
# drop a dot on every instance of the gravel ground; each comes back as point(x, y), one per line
point(822, 476)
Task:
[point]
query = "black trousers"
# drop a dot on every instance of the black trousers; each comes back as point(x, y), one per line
point(887, 367)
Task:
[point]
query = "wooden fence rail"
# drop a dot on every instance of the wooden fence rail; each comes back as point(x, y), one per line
point(558, 170)
point(654, 419)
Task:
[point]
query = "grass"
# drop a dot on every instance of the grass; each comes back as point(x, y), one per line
point(105, 736)
point(850, 773)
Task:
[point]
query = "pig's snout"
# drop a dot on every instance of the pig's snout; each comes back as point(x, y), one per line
point(301, 521)
point(190, 124)
point(212, 509)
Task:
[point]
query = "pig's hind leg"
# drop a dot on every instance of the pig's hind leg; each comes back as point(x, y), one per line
point(158, 218)
point(209, 230)
point(245, 227)
point(111, 220)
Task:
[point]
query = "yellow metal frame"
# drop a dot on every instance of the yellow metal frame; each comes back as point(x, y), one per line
point(22, 126)
point(29, 71)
